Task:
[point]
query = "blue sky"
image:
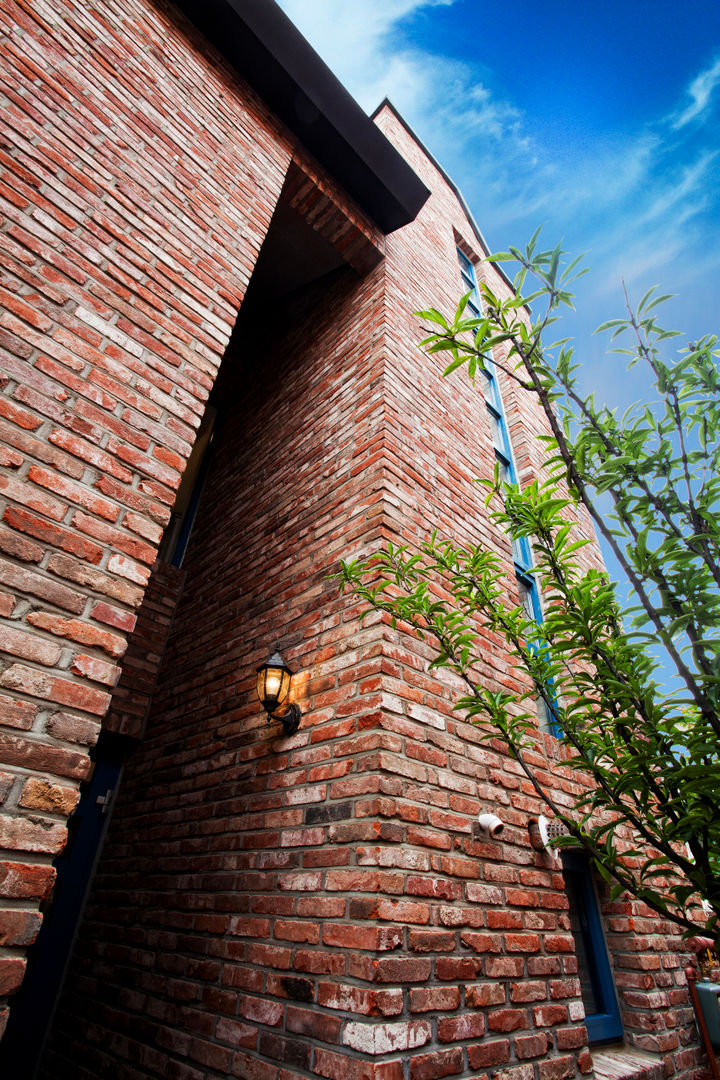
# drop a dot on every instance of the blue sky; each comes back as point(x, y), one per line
point(601, 120)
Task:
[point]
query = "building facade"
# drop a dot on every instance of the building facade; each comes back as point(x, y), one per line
point(211, 394)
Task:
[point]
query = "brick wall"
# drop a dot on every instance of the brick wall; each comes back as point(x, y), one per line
point(130, 228)
point(268, 908)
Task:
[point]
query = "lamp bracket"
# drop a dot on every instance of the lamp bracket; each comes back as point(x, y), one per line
point(289, 718)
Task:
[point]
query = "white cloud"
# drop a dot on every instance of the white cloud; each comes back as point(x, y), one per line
point(361, 44)
point(700, 92)
point(355, 39)
point(641, 204)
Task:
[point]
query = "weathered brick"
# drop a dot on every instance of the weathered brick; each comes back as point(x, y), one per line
point(531, 1046)
point(507, 1019)
point(433, 1066)
point(556, 1068)
point(18, 927)
point(35, 584)
point(27, 646)
point(61, 691)
point(81, 632)
point(32, 754)
point(17, 713)
point(20, 881)
point(40, 795)
point(31, 834)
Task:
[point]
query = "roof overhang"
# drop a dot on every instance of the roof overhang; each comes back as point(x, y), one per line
point(265, 48)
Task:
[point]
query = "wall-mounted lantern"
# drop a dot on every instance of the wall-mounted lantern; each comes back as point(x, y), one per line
point(273, 686)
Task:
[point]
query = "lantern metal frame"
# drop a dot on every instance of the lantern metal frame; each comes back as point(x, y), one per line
point(274, 704)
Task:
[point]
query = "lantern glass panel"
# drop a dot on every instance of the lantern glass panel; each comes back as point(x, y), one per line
point(273, 685)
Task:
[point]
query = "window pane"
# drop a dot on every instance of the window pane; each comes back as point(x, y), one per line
point(523, 557)
point(526, 598)
point(487, 385)
point(465, 264)
point(583, 946)
point(497, 430)
point(602, 1014)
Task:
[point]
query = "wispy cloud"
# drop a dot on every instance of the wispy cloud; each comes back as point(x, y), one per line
point(700, 92)
point(644, 204)
point(436, 93)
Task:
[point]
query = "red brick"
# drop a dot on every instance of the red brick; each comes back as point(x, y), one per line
point(27, 646)
point(402, 969)
point(532, 1046)
point(19, 548)
point(31, 834)
point(572, 1038)
point(432, 941)
point(7, 782)
point(457, 1028)
point(436, 999)
point(90, 454)
point(236, 1033)
point(18, 927)
point(21, 492)
point(35, 584)
point(507, 1020)
point(486, 1054)
point(556, 1068)
point(434, 1066)
point(76, 493)
point(30, 754)
point(74, 729)
point(92, 668)
point(122, 620)
point(12, 970)
point(502, 967)
point(294, 930)
point(16, 713)
point(61, 691)
point(314, 1024)
point(529, 990)
point(336, 1066)
point(484, 994)
point(549, 1015)
point(291, 891)
point(82, 574)
point(260, 1010)
point(20, 881)
point(81, 632)
point(54, 798)
point(52, 535)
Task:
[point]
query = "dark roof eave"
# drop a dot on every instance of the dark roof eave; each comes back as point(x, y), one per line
point(266, 49)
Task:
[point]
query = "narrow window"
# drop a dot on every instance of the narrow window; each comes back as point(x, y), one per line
point(522, 553)
point(602, 1013)
point(177, 533)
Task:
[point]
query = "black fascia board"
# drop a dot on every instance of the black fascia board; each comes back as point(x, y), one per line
point(261, 43)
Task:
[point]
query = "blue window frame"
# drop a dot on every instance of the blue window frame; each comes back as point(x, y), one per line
point(522, 553)
point(602, 1013)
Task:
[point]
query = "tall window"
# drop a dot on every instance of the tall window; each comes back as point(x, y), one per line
point(177, 533)
point(522, 554)
point(602, 1014)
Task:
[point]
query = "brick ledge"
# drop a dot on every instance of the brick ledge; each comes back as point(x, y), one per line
point(622, 1063)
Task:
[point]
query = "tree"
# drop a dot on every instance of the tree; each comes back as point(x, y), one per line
point(650, 482)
